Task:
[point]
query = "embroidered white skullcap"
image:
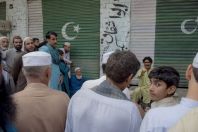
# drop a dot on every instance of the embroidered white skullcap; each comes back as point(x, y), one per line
point(106, 57)
point(37, 58)
point(195, 61)
point(77, 68)
point(67, 43)
point(3, 37)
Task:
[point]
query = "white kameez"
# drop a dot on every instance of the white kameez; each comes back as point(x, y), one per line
point(92, 83)
point(168, 101)
point(92, 112)
point(162, 118)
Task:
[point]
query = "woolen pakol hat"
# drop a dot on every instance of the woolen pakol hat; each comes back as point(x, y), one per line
point(37, 58)
point(195, 61)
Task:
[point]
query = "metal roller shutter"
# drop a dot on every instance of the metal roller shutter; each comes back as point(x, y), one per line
point(35, 19)
point(2, 10)
point(2, 14)
point(78, 22)
point(176, 34)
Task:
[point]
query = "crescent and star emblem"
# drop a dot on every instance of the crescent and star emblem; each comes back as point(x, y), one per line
point(64, 28)
point(183, 28)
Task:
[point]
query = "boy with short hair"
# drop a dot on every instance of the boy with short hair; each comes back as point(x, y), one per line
point(164, 81)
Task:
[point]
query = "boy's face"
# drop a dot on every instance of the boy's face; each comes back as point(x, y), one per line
point(147, 64)
point(158, 90)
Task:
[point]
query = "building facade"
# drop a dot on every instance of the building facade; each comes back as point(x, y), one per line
point(167, 31)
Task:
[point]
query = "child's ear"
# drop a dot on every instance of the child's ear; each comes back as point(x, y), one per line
point(188, 72)
point(171, 89)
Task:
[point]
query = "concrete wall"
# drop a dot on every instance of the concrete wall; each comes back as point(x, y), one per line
point(16, 12)
point(115, 25)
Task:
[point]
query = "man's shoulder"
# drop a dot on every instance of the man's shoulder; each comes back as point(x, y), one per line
point(89, 94)
point(44, 48)
point(58, 94)
point(91, 83)
point(9, 51)
point(160, 110)
point(40, 89)
point(162, 115)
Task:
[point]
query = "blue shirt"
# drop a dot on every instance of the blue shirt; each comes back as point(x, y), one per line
point(75, 84)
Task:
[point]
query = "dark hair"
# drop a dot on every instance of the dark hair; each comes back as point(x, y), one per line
point(195, 72)
point(17, 37)
point(147, 58)
point(103, 68)
point(0, 58)
point(167, 74)
point(35, 39)
point(50, 33)
point(60, 52)
point(120, 65)
point(42, 43)
point(7, 107)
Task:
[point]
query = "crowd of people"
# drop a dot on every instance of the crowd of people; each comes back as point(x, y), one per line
point(38, 92)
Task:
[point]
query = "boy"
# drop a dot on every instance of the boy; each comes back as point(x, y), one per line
point(164, 81)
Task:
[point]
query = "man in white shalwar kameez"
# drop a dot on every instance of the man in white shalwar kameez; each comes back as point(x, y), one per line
point(92, 83)
point(105, 108)
point(161, 119)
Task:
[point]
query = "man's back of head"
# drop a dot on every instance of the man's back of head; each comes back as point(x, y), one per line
point(36, 67)
point(120, 65)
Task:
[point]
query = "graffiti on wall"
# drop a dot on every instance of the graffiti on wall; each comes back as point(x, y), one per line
point(115, 25)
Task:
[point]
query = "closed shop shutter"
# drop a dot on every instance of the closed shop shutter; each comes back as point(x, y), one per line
point(143, 29)
point(176, 40)
point(2, 15)
point(35, 19)
point(78, 22)
point(2, 10)
point(167, 31)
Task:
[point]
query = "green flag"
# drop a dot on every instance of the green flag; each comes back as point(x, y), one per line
point(176, 34)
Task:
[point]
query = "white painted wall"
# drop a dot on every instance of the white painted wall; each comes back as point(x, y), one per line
point(143, 19)
point(18, 17)
point(115, 25)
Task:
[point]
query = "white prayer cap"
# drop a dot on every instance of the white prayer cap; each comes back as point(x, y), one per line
point(77, 68)
point(3, 37)
point(37, 58)
point(67, 44)
point(106, 57)
point(195, 61)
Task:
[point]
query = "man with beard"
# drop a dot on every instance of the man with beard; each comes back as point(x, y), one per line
point(50, 47)
point(4, 44)
point(18, 76)
point(13, 52)
point(141, 93)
